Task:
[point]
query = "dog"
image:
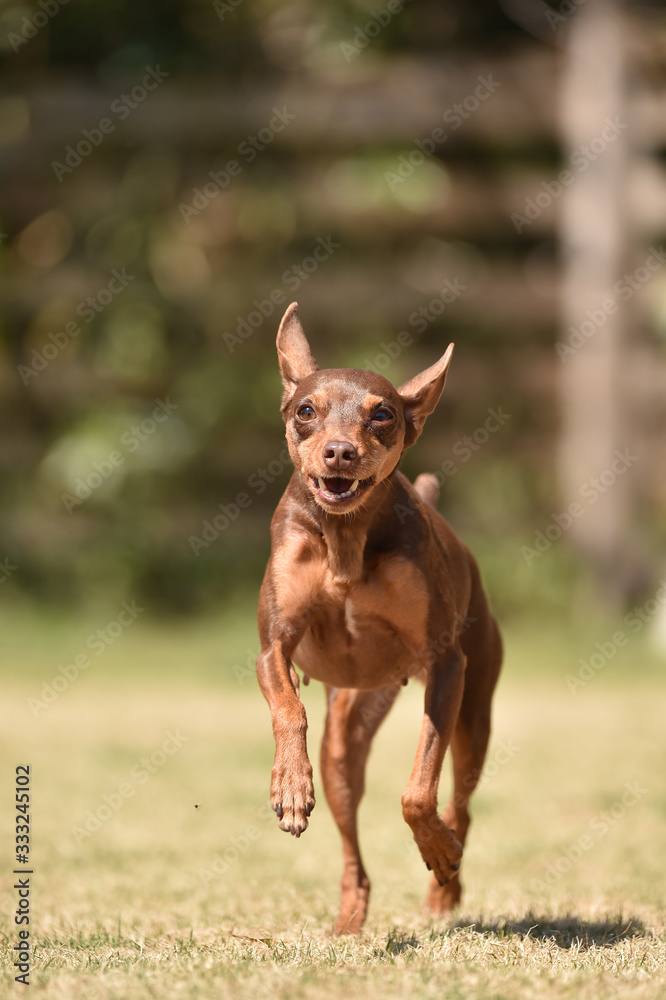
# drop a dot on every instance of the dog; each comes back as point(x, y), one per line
point(366, 587)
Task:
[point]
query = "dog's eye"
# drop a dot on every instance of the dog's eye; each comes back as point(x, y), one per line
point(382, 416)
point(305, 413)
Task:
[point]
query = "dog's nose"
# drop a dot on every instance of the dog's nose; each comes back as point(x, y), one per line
point(339, 454)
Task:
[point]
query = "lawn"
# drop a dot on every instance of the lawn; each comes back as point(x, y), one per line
point(159, 872)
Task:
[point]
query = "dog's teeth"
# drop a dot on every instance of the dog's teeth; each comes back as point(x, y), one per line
point(335, 496)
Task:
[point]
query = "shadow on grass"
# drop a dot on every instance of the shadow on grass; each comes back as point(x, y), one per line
point(567, 932)
point(397, 942)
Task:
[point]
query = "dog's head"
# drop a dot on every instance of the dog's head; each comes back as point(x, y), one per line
point(346, 428)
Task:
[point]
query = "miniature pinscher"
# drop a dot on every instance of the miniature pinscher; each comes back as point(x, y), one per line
point(366, 587)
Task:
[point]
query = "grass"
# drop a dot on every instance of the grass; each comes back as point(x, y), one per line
point(168, 900)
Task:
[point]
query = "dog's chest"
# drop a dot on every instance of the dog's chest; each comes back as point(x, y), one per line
point(368, 632)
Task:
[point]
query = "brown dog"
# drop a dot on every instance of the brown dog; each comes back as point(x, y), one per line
point(367, 586)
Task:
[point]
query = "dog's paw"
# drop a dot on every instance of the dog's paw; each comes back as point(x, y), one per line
point(442, 899)
point(292, 799)
point(440, 850)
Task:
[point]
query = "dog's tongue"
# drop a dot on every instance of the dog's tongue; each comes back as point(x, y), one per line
point(338, 485)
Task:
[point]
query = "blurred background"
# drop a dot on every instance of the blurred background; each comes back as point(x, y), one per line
point(173, 175)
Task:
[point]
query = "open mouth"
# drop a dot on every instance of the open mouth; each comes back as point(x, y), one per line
point(337, 490)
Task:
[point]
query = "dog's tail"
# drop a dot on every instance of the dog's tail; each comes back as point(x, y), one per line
point(427, 487)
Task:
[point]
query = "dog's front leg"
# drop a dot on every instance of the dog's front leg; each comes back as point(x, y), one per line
point(437, 843)
point(292, 791)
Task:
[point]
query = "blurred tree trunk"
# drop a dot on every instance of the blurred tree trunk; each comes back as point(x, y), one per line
point(593, 237)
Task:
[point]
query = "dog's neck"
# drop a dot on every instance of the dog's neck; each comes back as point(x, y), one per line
point(345, 542)
point(346, 535)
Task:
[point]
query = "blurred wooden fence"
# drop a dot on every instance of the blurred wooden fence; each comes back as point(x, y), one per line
point(424, 169)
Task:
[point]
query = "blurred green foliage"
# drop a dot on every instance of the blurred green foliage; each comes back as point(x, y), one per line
point(118, 299)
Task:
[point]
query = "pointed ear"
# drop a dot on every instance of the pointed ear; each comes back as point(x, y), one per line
point(421, 394)
point(294, 354)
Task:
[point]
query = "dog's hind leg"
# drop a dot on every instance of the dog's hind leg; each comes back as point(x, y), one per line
point(483, 648)
point(352, 720)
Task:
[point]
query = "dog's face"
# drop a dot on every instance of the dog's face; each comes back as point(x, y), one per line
point(346, 429)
